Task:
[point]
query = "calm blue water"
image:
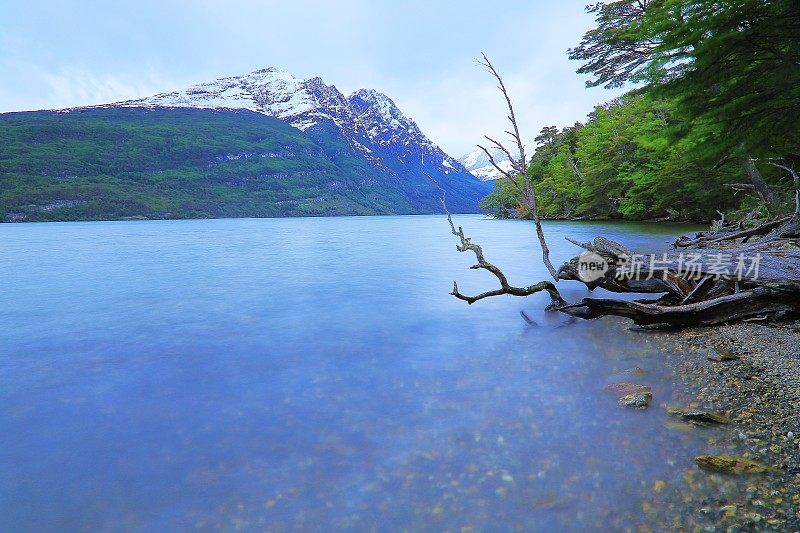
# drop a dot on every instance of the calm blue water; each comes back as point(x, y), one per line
point(314, 374)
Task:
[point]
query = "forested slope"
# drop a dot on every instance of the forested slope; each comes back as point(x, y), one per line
point(716, 107)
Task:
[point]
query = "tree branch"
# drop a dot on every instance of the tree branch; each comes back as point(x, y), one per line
point(796, 178)
point(505, 287)
point(492, 160)
point(514, 163)
point(529, 196)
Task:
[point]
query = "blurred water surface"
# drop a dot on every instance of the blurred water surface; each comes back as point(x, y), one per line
point(281, 374)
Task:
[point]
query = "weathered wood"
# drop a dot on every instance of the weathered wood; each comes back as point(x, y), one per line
point(721, 284)
point(699, 290)
point(747, 304)
point(519, 165)
point(759, 184)
point(763, 229)
point(505, 287)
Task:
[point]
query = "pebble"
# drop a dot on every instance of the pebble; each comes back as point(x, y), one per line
point(761, 390)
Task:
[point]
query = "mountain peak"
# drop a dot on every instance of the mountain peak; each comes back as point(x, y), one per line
point(369, 120)
point(373, 97)
point(383, 106)
point(387, 124)
point(479, 164)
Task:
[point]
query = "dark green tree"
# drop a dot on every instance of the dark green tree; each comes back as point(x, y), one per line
point(732, 66)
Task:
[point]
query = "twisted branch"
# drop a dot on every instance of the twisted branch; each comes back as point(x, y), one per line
point(796, 178)
point(505, 287)
point(505, 173)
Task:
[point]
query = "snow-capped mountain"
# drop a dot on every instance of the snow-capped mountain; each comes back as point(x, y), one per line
point(367, 118)
point(269, 91)
point(385, 123)
point(478, 163)
point(356, 154)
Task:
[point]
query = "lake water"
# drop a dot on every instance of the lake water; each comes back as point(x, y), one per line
point(314, 374)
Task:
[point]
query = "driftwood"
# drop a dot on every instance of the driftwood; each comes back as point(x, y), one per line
point(699, 284)
point(505, 287)
point(726, 274)
point(694, 285)
point(711, 238)
point(758, 302)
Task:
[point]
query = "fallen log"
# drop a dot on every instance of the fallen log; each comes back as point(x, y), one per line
point(699, 286)
point(715, 278)
point(763, 229)
point(674, 272)
point(758, 302)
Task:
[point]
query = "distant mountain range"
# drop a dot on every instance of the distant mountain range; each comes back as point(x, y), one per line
point(262, 144)
point(479, 165)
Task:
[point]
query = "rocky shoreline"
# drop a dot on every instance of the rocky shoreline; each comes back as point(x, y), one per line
point(750, 371)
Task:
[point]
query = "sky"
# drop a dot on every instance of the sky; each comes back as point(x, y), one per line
point(56, 54)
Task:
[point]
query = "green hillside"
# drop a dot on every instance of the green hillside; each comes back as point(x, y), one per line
point(181, 163)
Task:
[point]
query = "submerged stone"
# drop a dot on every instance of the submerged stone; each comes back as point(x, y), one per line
point(730, 464)
point(624, 389)
point(723, 354)
point(629, 374)
point(679, 426)
point(639, 400)
point(698, 417)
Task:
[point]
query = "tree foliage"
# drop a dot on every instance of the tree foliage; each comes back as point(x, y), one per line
point(719, 85)
point(624, 163)
point(735, 63)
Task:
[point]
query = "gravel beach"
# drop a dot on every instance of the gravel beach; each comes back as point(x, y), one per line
point(752, 372)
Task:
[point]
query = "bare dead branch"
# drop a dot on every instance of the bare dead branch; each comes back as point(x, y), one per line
point(759, 185)
point(575, 169)
point(717, 238)
point(796, 178)
point(746, 304)
point(740, 186)
point(699, 289)
point(517, 165)
point(529, 196)
point(492, 160)
point(511, 117)
point(585, 245)
point(505, 287)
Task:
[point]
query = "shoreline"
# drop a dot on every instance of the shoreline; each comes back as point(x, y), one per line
point(759, 386)
point(142, 218)
point(607, 219)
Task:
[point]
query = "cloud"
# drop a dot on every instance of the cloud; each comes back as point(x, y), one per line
point(73, 87)
point(419, 53)
point(31, 87)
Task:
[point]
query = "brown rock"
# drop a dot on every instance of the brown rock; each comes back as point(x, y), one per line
point(624, 389)
point(698, 417)
point(729, 464)
point(639, 400)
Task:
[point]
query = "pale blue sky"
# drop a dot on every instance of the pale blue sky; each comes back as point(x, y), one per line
point(422, 54)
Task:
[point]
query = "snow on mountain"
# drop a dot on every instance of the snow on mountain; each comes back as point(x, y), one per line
point(385, 123)
point(387, 127)
point(269, 91)
point(478, 163)
point(369, 120)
